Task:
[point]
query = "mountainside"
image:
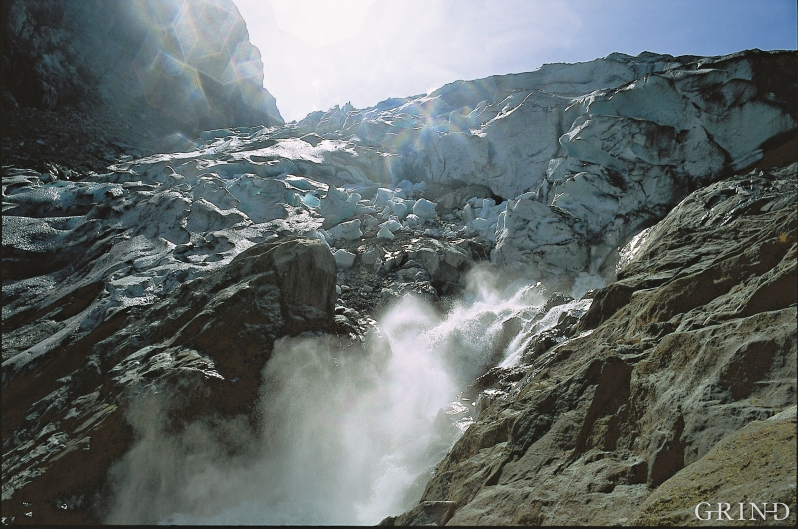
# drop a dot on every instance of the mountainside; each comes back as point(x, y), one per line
point(127, 75)
point(565, 296)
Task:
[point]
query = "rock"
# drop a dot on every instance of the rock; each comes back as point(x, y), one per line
point(760, 453)
point(128, 65)
point(426, 513)
point(372, 257)
point(211, 336)
point(445, 263)
point(635, 413)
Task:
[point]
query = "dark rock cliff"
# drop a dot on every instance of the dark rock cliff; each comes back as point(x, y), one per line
point(207, 343)
point(138, 70)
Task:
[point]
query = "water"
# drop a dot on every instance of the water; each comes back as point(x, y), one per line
point(533, 327)
point(348, 435)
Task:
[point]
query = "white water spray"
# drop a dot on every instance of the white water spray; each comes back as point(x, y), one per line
point(349, 435)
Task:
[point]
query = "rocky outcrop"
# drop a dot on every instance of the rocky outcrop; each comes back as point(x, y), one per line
point(208, 340)
point(760, 453)
point(192, 61)
point(657, 399)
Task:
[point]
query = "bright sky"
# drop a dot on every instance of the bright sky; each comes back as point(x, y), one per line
point(319, 53)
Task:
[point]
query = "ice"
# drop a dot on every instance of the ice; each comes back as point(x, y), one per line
point(399, 208)
point(321, 235)
point(385, 233)
point(303, 183)
point(262, 199)
point(205, 217)
point(311, 201)
point(468, 213)
point(338, 206)
point(391, 225)
point(347, 230)
point(383, 196)
point(424, 209)
point(343, 258)
point(405, 185)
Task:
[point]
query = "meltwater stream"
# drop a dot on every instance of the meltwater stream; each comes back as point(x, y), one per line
point(348, 435)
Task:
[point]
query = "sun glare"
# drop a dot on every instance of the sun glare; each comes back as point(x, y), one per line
point(321, 22)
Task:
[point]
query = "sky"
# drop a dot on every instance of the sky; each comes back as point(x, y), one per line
point(321, 53)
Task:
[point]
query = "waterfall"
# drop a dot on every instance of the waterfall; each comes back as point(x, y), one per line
point(349, 432)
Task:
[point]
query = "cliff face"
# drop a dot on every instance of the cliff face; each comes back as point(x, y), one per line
point(621, 423)
point(164, 67)
point(601, 263)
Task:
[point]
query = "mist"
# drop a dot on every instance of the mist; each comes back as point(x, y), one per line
point(348, 432)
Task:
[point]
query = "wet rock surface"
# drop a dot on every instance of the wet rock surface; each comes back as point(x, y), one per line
point(210, 339)
point(611, 363)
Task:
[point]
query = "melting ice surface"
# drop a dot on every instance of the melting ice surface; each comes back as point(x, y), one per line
point(352, 436)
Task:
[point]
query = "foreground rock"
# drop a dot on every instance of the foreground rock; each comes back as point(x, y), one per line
point(657, 403)
point(761, 453)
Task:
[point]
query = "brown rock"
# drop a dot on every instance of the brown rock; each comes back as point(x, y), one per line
point(695, 342)
point(761, 453)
